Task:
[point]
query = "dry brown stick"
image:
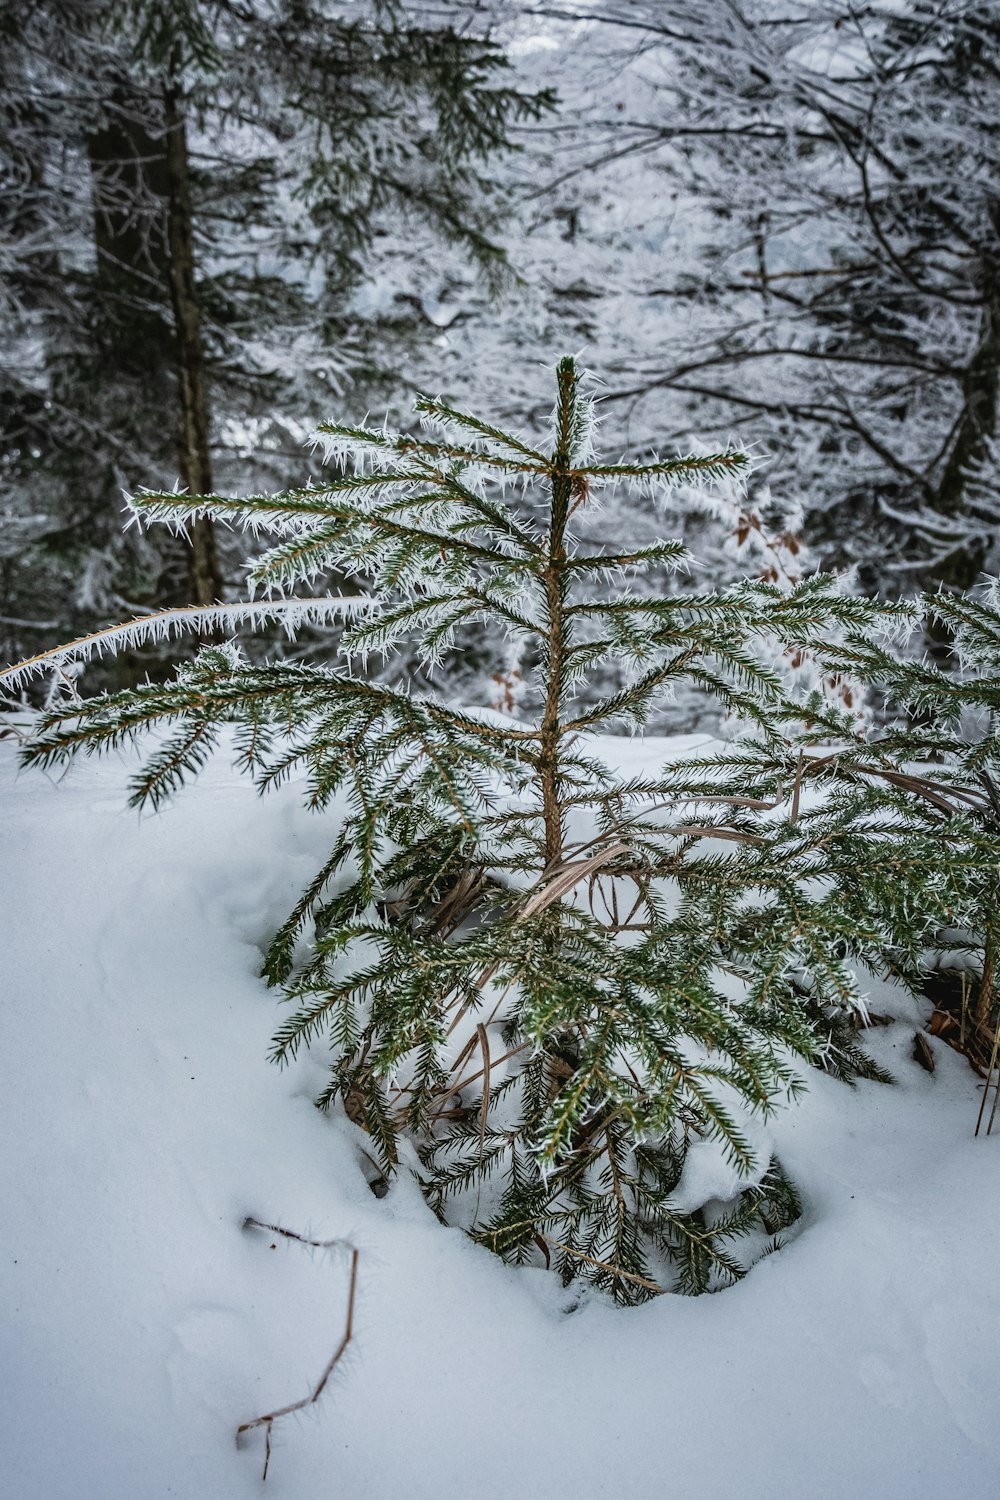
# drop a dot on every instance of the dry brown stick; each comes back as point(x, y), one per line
point(268, 1419)
point(986, 1085)
point(472, 1077)
point(984, 1003)
point(466, 1051)
point(604, 1265)
point(575, 850)
point(797, 789)
point(491, 1019)
point(922, 786)
point(996, 1101)
point(561, 879)
point(983, 1007)
point(484, 1047)
point(564, 877)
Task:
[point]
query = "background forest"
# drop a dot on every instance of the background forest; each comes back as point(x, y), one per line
point(223, 222)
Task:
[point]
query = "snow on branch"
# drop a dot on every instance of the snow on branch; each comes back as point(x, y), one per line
point(167, 624)
point(436, 414)
point(731, 465)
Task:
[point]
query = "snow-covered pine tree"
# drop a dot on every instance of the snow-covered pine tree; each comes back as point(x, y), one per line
point(544, 980)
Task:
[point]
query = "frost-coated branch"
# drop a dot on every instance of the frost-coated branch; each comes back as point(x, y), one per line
point(169, 624)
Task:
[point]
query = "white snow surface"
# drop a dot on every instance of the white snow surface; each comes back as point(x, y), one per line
point(141, 1322)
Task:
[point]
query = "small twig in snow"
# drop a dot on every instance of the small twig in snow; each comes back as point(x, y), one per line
point(268, 1419)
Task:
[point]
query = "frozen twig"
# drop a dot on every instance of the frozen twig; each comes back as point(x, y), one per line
point(268, 1419)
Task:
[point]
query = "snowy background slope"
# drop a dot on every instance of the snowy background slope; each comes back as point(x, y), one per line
point(142, 1322)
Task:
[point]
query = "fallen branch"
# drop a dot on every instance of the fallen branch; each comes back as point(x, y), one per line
point(268, 1420)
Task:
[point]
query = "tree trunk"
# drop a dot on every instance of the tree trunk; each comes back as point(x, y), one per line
point(193, 448)
point(130, 358)
point(977, 424)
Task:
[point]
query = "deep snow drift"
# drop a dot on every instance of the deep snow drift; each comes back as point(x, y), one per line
point(142, 1322)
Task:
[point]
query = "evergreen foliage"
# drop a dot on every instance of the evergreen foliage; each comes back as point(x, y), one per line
point(945, 732)
point(543, 980)
point(903, 821)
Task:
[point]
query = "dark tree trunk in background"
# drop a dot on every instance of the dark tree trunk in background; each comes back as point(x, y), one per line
point(125, 373)
point(149, 327)
point(193, 444)
point(977, 424)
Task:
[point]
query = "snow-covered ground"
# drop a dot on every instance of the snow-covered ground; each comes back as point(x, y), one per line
point(142, 1322)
